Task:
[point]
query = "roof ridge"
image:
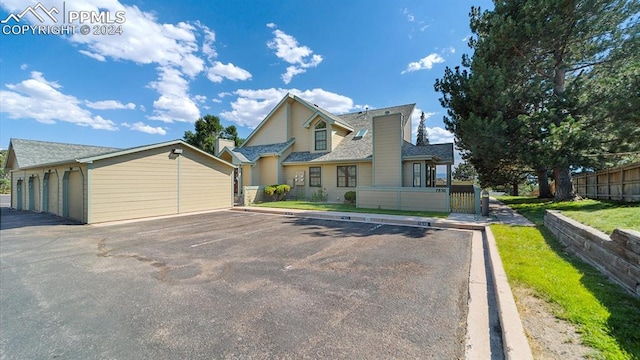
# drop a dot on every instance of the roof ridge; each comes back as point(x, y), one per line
point(61, 143)
point(378, 109)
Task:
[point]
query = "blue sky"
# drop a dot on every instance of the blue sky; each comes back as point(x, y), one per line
point(177, 61)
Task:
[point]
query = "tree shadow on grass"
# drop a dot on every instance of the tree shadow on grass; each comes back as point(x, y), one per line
point(624, 320)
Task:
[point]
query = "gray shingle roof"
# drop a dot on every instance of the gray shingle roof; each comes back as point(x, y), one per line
point(444, 152)
point(32, 152)
point(350, 148)
point(252, 153)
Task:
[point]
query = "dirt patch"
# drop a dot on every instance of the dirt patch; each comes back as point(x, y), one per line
point(549, 337)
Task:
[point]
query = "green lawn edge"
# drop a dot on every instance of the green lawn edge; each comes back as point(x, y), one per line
point(607, 317)
point(317, 206)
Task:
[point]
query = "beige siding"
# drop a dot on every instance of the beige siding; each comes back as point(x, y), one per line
point(247, 173)
point(338, 134)
point(268, 173)
point(273, 131)
point(299, 115)
point(204, 185)
point(407, 131)
point(378, 199)
point(329, 179)
point(416, 199)
point(387, 150)
point(135, 185)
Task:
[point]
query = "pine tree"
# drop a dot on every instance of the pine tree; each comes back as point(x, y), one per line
point(423, 136)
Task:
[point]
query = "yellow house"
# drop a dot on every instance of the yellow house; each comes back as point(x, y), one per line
point(96, 184)
point(369, 152)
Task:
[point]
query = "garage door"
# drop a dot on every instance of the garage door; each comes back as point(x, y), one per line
point(72, 202)
point(19, 191)
point(50, 193)
point(34, 193)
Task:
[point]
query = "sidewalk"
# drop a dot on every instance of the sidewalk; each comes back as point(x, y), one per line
point(498, 213)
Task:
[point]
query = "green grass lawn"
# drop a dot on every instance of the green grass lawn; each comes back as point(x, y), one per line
point(602, 215)
point(306, 205)
point(607, 317)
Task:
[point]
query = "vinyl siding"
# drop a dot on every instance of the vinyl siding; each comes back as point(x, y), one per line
point(136, 185)
point(304, 137)
point(387, 150)
point(204, 184)
point(377, 199)
point(273, 131)
point(329, 180)
point(407, 131)
point(268, 171)
point(338, 134)
point(404, 198)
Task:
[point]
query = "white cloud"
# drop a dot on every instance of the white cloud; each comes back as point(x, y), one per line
point(426, 62)
point(271, 25)
point(184, 48)
point(109, 105)
point(291, 72)
point(450, 50)
point(200, 98)
point(24, 67)
point(142, 127)
point(217, 101)
point(466, 38)
point(410, 17)
point(287, 48)
point(251, 106)
point(224, 94)
point(93, 55)
point(438, 135)
point(220, 71)
point(39, 99)
point(174, 103)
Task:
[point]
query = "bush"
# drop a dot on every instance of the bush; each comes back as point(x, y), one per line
point(320, 195)
point(277, 192)
point(350, 197)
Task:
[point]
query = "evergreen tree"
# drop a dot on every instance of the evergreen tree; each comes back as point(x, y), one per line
point(530, 94)
point(422, 137)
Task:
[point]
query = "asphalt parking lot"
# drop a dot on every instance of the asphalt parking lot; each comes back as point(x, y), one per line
point(230, 285)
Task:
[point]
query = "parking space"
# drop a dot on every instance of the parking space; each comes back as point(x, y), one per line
point(230, 285)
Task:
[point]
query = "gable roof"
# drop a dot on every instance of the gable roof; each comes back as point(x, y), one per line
point(318, 111)
point(29, 153)
point(33, 153)
point(251, 154)
point(352, 148)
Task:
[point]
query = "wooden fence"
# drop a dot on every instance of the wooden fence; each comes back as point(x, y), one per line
point(465, 199)
point(619, 183)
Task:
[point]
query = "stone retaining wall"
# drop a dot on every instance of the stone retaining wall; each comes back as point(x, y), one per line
point(617, 256)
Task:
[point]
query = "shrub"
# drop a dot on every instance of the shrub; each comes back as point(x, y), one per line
point(350, 197)
point(320, 195)
point(277, 192)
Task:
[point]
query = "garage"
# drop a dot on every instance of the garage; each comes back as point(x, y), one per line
point(97, 184)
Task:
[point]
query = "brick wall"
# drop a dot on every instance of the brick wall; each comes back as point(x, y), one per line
point(617, 256)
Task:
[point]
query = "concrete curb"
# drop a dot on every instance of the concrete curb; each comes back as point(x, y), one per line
point(514, 341)
point(374, 218)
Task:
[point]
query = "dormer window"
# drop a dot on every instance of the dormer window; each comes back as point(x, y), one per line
point(320, 136)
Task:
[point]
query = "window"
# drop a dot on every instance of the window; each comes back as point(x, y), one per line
point(315, 176)
point(321, 136)
point(417, 175)
point(361, 133)
point(347, 176)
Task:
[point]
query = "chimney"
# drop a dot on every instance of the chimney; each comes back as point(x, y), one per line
point(222, 143)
